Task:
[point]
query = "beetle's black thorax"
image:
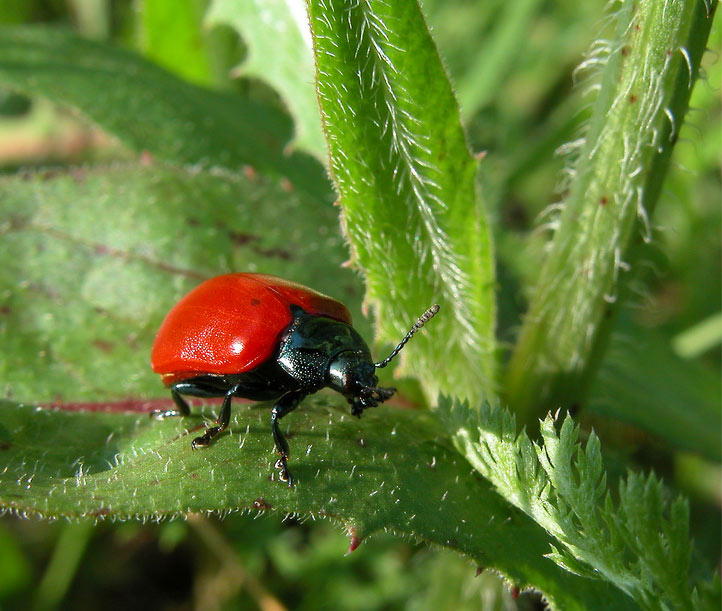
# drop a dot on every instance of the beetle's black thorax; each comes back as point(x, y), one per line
point(310, 343)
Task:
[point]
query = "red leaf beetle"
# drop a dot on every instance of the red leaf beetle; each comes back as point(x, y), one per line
point(263, 338)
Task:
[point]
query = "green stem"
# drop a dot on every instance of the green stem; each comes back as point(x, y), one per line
point(650, 66)
point(68, 552)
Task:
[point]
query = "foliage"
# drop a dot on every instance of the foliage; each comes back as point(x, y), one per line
point(641, 544)
point(196, 174)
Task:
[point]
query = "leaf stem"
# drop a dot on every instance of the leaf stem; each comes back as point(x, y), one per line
point(650, 65)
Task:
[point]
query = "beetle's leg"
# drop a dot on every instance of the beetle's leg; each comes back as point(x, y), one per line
point(287, 403)
point(224, 418)
point(180, 402)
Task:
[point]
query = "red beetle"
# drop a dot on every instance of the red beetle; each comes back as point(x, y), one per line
point(262, 337)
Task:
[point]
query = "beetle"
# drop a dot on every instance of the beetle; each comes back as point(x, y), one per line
point(264, 338)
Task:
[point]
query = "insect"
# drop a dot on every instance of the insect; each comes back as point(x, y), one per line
point(264, 338)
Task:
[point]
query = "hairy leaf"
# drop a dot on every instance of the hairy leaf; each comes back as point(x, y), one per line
point(640, 545)
point(406, 182)
point(387, 471)
point(643, 89)
point(94, 258)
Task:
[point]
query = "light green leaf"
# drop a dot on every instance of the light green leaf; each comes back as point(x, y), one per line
point(169, 34)
point(647, 70)
point(279, 52)
point(640, 545)
point(406, 179)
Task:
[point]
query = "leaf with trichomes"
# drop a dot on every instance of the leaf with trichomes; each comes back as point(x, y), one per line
point(640, 544)
point(642, 90)
point(406, 183)
point(386, 471)
point(94, 259)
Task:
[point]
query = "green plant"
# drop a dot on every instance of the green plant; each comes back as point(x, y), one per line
point(217, 190)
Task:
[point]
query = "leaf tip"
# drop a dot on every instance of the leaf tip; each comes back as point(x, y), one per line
point(354, 541)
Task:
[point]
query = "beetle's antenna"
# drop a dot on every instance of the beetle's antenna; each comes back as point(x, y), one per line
point(423, 319)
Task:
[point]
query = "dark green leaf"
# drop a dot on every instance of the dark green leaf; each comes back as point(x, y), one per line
point(387, 471)
point(151, 110)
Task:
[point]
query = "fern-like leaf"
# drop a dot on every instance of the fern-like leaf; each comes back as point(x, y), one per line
point(639, 544)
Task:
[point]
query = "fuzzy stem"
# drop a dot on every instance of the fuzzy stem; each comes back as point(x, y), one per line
point(650, 66)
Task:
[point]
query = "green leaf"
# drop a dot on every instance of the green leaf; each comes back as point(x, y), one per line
point(480, 84)
point(93, 260)
point(279, 52)
point(387, 471)
point(641, 545)
point(644, 383)
point(149, 109)
point(170, 35)
point(643, 89)
point(406, 179)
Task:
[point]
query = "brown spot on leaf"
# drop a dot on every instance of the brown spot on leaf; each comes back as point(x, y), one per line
point(603, 201)
point(5, 310)
point(5, 445)
point(103, 345)
point(274, 253)
point(241, 239)
point(632, 98)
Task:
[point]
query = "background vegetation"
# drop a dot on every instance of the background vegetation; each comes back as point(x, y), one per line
point(124, 183)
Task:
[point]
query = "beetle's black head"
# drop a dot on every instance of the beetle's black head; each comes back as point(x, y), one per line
point(353, 375)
